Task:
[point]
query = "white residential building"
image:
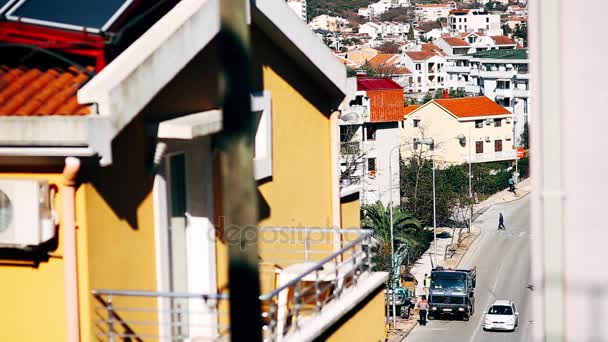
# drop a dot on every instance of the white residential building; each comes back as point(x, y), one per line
point(463, 129)
point(474, 42)
point(370, 136)
point(328, 23)
point(374, 28)
point(501, 75)
point(426, 66)
point(371, 29)
point(432, 12)
point(299, 7)
point(474, 20)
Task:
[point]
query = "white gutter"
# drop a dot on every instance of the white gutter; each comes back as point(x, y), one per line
point(336, 215)
point(68, 236)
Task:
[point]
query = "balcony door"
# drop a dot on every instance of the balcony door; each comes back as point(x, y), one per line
point(185, 239)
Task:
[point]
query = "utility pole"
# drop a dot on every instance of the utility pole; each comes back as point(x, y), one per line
point(239, 197)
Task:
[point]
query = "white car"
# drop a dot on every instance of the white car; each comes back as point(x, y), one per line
point(501, 315)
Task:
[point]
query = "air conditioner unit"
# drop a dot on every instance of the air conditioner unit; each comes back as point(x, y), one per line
point(508, 120)
point(508, 138)
point(487, 139)
point(25, 213)
point(488, 121)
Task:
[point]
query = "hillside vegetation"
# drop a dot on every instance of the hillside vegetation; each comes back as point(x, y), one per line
point(334, 7)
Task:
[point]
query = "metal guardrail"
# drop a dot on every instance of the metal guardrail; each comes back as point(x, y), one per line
point(304, 290)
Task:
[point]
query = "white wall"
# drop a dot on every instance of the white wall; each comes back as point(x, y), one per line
point(568, 251)
point(377, 188)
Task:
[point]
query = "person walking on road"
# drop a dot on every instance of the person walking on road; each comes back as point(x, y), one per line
point(501, 222)
point(423, 308)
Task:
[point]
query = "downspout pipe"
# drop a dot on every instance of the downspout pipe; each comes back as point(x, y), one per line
point(336, 215)
point(68, 237)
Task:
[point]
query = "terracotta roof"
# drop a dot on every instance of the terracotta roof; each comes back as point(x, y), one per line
point(455, 42)
point(502, 40)
point(464, 107)
point(382, 59)
point(407, 110)
point(428, 51)
point(364, 83)
point(31, 91)
point(459, 11)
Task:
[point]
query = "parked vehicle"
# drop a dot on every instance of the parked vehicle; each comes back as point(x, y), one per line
point(403, 302)
point(501, 315)
point(452, 292)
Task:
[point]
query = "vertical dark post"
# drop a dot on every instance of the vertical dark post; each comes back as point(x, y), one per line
point(238, 186)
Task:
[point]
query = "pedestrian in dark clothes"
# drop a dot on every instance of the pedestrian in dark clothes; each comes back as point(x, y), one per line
point(423, 308)
point(501, 222)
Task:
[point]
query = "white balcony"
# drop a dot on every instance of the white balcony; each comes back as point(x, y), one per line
point(521, 93)
point(497, 73)
point(474, 72)
point(503, 92)
point(490, 157)
point(472, 89)
point(457, 69)
point(522, 75)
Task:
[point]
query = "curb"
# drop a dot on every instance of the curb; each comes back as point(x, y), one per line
point(467, 250)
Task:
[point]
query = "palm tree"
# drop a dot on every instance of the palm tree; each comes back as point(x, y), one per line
point(406, 230)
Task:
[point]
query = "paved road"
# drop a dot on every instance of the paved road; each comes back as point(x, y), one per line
point(503, 272)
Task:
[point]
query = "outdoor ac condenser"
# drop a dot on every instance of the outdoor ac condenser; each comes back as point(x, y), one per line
point(25, 213)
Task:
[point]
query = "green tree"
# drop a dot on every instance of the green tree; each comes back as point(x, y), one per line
point(410, 33)
point(406, 230)
point(525, 137)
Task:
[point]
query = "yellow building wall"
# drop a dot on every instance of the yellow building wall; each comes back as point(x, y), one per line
point(115, 211)
point(365, 323)
point(350, 208)
point(32, 296)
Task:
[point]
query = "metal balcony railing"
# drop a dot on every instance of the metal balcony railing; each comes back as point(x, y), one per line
point(350, 148)
point(311, 281)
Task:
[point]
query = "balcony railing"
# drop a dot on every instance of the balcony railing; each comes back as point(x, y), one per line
point(472, 89)
point(521, 93)
point(311, 281)
point(497, 73)
point(490, 157)
point(457, 68)
point(350, 148)
point(503, 92)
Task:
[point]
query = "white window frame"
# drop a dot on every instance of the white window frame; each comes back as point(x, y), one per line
point(261, 105)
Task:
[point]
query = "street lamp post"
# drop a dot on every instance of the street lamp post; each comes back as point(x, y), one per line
point(431, 143)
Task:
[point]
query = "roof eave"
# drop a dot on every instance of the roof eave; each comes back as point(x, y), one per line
point(277, 21)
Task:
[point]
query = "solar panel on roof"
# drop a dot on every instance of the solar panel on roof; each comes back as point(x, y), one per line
point(5, 4)
point(93, 15)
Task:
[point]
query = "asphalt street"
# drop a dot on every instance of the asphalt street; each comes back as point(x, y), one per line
point(503, 272)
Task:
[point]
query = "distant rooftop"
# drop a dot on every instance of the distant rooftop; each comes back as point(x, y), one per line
point(502, 54)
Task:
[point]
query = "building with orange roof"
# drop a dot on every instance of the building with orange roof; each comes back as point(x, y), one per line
point(426, 65)
point(486, 126)
point(391, 65)
point(113, 224)
point(369, 132)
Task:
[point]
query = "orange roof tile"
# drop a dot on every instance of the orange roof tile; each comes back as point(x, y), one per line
point(502, 40)
point(407, 110)
point(30, 92)
point(381, 59)
point(465, 107)
point(455, 42)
